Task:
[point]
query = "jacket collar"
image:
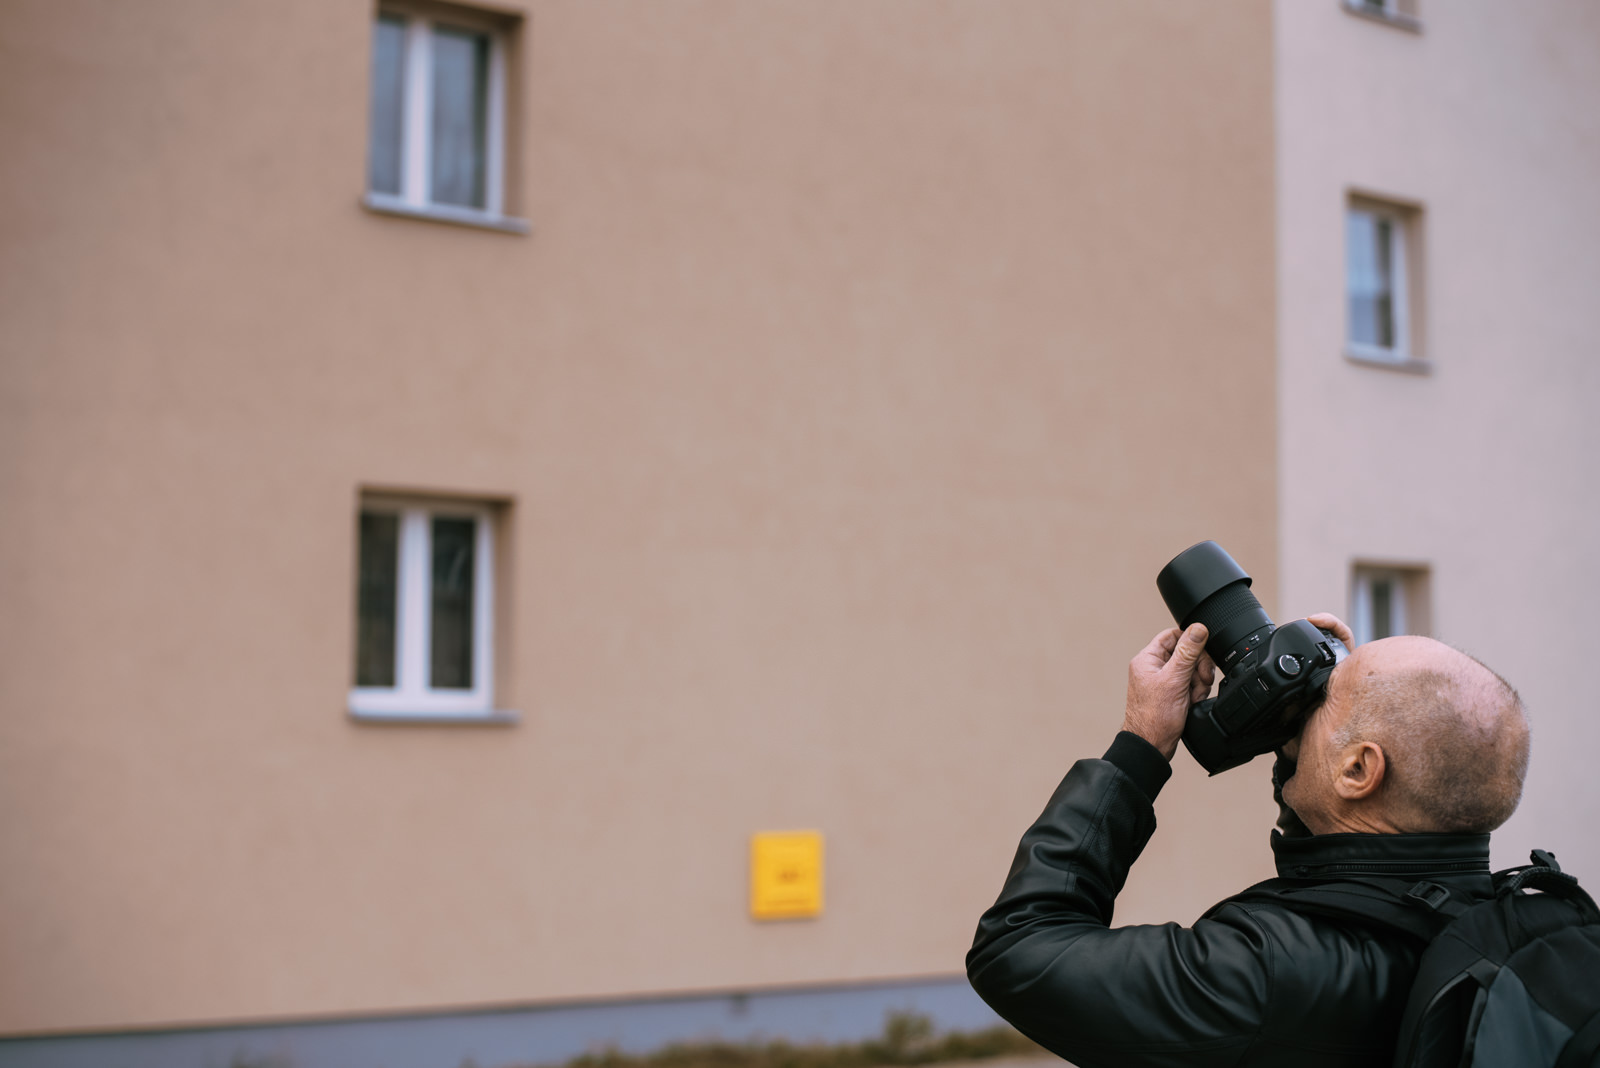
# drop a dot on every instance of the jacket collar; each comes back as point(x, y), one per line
point(1324, 855)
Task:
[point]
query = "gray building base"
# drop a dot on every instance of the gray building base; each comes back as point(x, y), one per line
point(531, 1035)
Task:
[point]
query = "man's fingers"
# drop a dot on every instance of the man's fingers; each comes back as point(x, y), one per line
point(1160, 646)
point(1204, 675)
point(1329, 621)
point(1190, 647)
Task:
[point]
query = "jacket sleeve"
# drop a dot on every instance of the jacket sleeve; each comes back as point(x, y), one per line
point(1046, 958)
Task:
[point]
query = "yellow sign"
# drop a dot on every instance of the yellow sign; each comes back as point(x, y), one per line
point(785, 874)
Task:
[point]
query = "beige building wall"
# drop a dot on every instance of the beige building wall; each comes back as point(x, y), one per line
point(863, 366)
point(1483, 470)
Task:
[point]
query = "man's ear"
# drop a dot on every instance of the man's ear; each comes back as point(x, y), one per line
point(1361, 770)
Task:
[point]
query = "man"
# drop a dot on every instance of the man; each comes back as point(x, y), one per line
point(1416, 754)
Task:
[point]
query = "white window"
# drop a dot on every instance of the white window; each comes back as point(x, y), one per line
point(1381, 288)
point(1388, 600)
point(1402, 13)
point(437, 136)
point(424, 610)
point(1375, 276)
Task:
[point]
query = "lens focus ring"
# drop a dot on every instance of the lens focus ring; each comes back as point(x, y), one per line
point(1230, 615)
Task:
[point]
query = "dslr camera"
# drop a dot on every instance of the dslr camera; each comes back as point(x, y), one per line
point(1273, 677)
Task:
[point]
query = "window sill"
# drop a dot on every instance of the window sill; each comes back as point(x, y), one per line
point(496, 718)
point(1389, 18)
point(1410, 365)
point(383, 204)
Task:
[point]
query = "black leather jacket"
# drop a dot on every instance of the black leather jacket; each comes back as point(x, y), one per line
point(1248, 984)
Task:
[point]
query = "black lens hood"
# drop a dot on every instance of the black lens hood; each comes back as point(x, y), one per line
point(1195, 574)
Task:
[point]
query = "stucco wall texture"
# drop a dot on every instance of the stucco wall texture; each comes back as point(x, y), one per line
point(1483, 470)
point(864, 364)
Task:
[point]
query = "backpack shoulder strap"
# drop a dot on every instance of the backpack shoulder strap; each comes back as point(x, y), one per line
point(1418, 909)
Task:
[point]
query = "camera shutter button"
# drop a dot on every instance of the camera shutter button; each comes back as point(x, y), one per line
point(1289, 664)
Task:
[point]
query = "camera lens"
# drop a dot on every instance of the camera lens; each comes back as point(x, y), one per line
point(1203, 584)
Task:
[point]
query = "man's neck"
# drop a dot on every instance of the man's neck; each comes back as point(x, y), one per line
point(1358, 821)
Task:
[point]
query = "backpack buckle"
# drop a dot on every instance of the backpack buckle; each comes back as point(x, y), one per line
point(1542, 859)
point(1430, 894)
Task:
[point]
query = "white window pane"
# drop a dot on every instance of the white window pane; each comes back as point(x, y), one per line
point(453, 574)
point(1369, 278)
point(387, 106)
point(460, 116)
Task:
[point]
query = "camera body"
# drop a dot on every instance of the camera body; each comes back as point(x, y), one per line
point(1273, 676)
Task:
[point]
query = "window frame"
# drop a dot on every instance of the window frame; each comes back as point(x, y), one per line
point(1405, 271)
point(415, 197)
point(412, 697)
point(1410, 598)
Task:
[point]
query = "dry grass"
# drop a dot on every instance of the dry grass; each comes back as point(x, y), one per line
point(907, 1039)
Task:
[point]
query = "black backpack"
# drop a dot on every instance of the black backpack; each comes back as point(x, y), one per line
point(1513, 980)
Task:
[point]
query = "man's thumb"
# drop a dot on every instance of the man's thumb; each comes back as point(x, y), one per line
point(1190, 646)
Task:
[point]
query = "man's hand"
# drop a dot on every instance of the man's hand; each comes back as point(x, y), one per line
point(1329, 621)
point(1167, 676)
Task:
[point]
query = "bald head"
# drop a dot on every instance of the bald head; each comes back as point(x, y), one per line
point(1454, 733)
point(1413, 736)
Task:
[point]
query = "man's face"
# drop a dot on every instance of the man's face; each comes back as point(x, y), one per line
point(1309, 790)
